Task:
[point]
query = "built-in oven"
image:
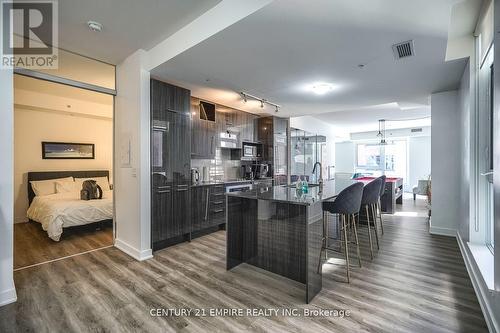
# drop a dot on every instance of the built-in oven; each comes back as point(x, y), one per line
point(238, 187)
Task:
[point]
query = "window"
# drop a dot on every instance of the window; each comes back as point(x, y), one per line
point(389, 159)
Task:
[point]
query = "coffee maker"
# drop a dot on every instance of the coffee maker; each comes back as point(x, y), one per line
point(247, 171)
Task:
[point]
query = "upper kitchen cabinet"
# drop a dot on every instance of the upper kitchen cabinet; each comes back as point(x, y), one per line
point(203, 135)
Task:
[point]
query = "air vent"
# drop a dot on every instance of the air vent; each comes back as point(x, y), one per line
point(416, 130)
point(403, 50)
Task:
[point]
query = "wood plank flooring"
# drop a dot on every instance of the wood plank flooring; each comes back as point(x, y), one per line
point(416, 283)
point(32, 245)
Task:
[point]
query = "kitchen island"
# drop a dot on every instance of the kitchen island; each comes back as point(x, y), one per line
point(279, 229)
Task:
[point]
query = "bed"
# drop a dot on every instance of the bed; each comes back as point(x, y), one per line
point(63, 210)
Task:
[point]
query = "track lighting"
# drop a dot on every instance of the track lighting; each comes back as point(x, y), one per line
point(262, 101)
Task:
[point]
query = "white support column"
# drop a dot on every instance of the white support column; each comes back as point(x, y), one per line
point(132, 167)
point(7, 288)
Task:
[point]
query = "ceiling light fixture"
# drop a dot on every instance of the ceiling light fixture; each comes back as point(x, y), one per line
point(94, 26)
point(322, 88)
point(262, 101)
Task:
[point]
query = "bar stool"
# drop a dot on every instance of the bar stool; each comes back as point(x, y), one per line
point(346, 204)
point(369, 200)
point(379, 205)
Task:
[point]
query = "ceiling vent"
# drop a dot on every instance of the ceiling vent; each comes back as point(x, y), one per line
point(403, 50)
point(416, 130)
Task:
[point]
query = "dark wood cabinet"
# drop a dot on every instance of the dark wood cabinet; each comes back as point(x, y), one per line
point(170, 163)
point(203, 135)
point(209, 206)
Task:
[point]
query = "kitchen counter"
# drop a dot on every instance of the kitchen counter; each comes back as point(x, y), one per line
point(287, 194)
point(279, 229)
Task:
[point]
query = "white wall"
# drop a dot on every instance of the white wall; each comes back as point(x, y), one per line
point(446, 163)
point(32, 127)
point(345, 157)
point(7, 289)
point(419, 159)
point(132, 182)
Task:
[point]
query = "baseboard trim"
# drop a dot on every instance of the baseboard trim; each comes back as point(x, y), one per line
point(477, 282)
point(443, 231)
point(132, 251)
point(8, 296)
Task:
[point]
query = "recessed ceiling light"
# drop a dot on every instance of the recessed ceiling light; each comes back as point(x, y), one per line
point(94, 26)
point(322, 88)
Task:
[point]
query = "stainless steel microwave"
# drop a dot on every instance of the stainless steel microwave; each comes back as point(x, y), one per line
point(249, 151)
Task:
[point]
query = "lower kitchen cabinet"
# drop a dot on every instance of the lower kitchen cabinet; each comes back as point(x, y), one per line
point(209, 206)
point(171, 212)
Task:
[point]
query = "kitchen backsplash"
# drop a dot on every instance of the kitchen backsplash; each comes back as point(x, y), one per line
point(220, 168)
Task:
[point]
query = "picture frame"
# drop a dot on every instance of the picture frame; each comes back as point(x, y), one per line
point(67, 150)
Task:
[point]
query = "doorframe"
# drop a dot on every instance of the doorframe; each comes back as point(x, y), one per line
point(86, 86)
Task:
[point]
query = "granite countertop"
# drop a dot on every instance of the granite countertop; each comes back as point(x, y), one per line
point(331, 188)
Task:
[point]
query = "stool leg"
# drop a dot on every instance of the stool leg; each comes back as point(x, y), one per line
point(356, 238)
point(346, 242)
point(369, 231)
point(374, 215)
point(379, 206)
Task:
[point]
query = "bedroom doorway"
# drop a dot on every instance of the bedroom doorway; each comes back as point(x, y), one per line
point(63, 142)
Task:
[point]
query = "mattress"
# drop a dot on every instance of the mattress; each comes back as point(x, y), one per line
point(62, 210)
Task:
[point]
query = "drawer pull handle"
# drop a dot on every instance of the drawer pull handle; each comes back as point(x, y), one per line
point(181, 189)
point(218, 210)
point(163, 191)
point(218, 202)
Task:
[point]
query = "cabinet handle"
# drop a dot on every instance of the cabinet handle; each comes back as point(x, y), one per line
point(162, 191)
point(182, 185)
point(181, 189)
point(206, 205)
point(218, 210)
point(218, 202)
point(163, 187)
point(217, 194)
point(212, 145)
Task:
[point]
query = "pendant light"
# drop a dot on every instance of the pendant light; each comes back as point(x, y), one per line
point(381, 132)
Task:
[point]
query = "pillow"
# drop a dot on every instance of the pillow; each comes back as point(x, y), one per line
point(46, 187)
point(103, 182)
point(68, 186)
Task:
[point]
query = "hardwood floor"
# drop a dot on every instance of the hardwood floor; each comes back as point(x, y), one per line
point(33, 246)
point(416, 283)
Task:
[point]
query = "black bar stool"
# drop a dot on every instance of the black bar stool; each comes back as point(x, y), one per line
point(371, 194)
point(346, 204)
point(379, 205)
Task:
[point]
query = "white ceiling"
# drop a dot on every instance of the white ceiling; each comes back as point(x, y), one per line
point(40, 95)
point(128, 25)
point(366, 119)
point(279, 50)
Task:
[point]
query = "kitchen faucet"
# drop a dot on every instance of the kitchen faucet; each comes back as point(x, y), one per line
point(320, 181)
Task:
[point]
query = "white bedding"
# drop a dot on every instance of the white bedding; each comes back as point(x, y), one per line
point(61, 210)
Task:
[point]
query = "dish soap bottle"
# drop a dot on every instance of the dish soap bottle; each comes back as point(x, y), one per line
point(305, 186)
point(298, 184)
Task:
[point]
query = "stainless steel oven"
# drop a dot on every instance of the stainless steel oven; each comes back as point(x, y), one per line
point(238, 187)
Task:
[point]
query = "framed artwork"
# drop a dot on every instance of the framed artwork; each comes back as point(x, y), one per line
point(67, 150)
